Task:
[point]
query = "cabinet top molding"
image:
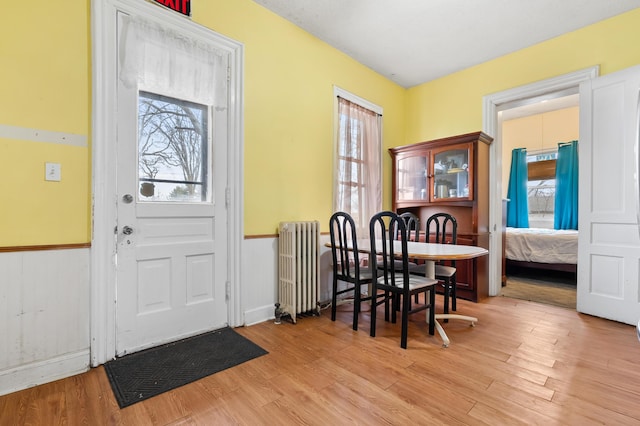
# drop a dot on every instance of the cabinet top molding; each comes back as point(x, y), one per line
point(467, 137)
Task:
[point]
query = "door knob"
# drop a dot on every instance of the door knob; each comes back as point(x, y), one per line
point(127, 198)
point(127, 230)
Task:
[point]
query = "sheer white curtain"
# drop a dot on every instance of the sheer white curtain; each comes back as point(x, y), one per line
point(163, 61)
point(358, 186)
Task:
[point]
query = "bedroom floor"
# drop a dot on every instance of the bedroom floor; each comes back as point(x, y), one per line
point(548, 287)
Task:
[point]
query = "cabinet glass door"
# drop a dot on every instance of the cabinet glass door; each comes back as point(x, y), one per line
point(411, 178)
point(451, 173)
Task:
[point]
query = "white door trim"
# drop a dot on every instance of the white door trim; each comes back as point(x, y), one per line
point(491, 106)
point(103, 247)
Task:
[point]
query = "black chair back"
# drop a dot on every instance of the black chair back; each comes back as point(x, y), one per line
point(442, 228)
point(344, 243)
point(412, 223)
point(385, 228)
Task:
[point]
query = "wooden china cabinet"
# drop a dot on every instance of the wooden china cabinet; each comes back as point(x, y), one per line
point(449, 175)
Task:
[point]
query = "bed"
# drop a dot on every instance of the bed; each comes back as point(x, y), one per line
point(540, 248)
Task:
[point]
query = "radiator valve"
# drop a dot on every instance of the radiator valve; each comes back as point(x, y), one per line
point(278, 314)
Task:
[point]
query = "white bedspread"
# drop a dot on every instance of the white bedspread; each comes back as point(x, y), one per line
point(542, 245)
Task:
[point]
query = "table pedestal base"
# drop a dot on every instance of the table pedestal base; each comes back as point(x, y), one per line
point(430, 272)
point(443, 335)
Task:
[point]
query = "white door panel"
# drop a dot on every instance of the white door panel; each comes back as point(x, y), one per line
point(172, 235)
point(609, 243)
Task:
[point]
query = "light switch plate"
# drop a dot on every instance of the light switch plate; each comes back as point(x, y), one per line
point(52, 172)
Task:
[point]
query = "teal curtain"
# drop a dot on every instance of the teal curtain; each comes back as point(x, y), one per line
point(518, 204)
point(565, 215)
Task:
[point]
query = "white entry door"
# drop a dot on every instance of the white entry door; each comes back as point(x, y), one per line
point(171, 234)
point(609, 236)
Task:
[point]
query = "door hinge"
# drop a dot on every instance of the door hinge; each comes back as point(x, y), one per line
point(227, 197)
point(228, 73)
point(227, 290)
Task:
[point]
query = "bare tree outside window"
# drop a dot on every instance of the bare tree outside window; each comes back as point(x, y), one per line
point(172, 149)
point(542, 194)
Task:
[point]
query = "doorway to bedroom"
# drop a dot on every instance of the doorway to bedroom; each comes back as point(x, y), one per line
point(538, 125)
point(549, 287)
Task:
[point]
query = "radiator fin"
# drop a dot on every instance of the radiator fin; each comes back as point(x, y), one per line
point(298, 267)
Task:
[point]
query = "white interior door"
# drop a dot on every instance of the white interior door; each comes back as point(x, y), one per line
point(609, 243)
point(171, 235)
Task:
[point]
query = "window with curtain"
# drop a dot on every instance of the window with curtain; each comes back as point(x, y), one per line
point(551, 188)
point(358, 163)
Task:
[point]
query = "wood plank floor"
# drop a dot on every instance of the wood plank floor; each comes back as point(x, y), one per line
point(524, 363)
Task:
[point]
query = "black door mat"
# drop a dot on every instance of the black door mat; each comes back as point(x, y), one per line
point(148, 373)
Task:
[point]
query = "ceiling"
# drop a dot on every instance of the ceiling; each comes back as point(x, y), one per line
point(415, 41)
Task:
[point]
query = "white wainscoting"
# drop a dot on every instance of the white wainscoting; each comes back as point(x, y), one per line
point(44, 307)
point(44, 316)
point(260, 277)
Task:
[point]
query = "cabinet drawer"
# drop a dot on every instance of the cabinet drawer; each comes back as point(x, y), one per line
point(465, 269)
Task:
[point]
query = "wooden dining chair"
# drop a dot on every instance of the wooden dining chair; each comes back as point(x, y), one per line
point(346, 264)
point(397, 285)
point(442, 228)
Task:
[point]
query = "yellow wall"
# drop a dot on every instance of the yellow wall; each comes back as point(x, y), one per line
point(537, 132)
point(45, 82)
point(289, 78)
point(453, 104)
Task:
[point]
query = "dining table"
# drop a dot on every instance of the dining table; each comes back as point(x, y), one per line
point(431, 253)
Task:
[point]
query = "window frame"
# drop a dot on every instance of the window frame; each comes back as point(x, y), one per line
point(341, 93)
point(539, 170)
point(206, 148)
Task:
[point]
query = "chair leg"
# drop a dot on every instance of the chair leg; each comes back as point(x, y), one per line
point(334, 298)
point(406, 304)
point(447, 290)
point(395, 301)
point(432, 309)
point(356, 305)
point(374, 293)
point(389, 303)
point(453, 293)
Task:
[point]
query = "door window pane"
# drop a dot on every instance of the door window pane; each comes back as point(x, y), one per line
point(172, 150)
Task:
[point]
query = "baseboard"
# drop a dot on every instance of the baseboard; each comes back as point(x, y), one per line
point(38, 373)
point(258, 315)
